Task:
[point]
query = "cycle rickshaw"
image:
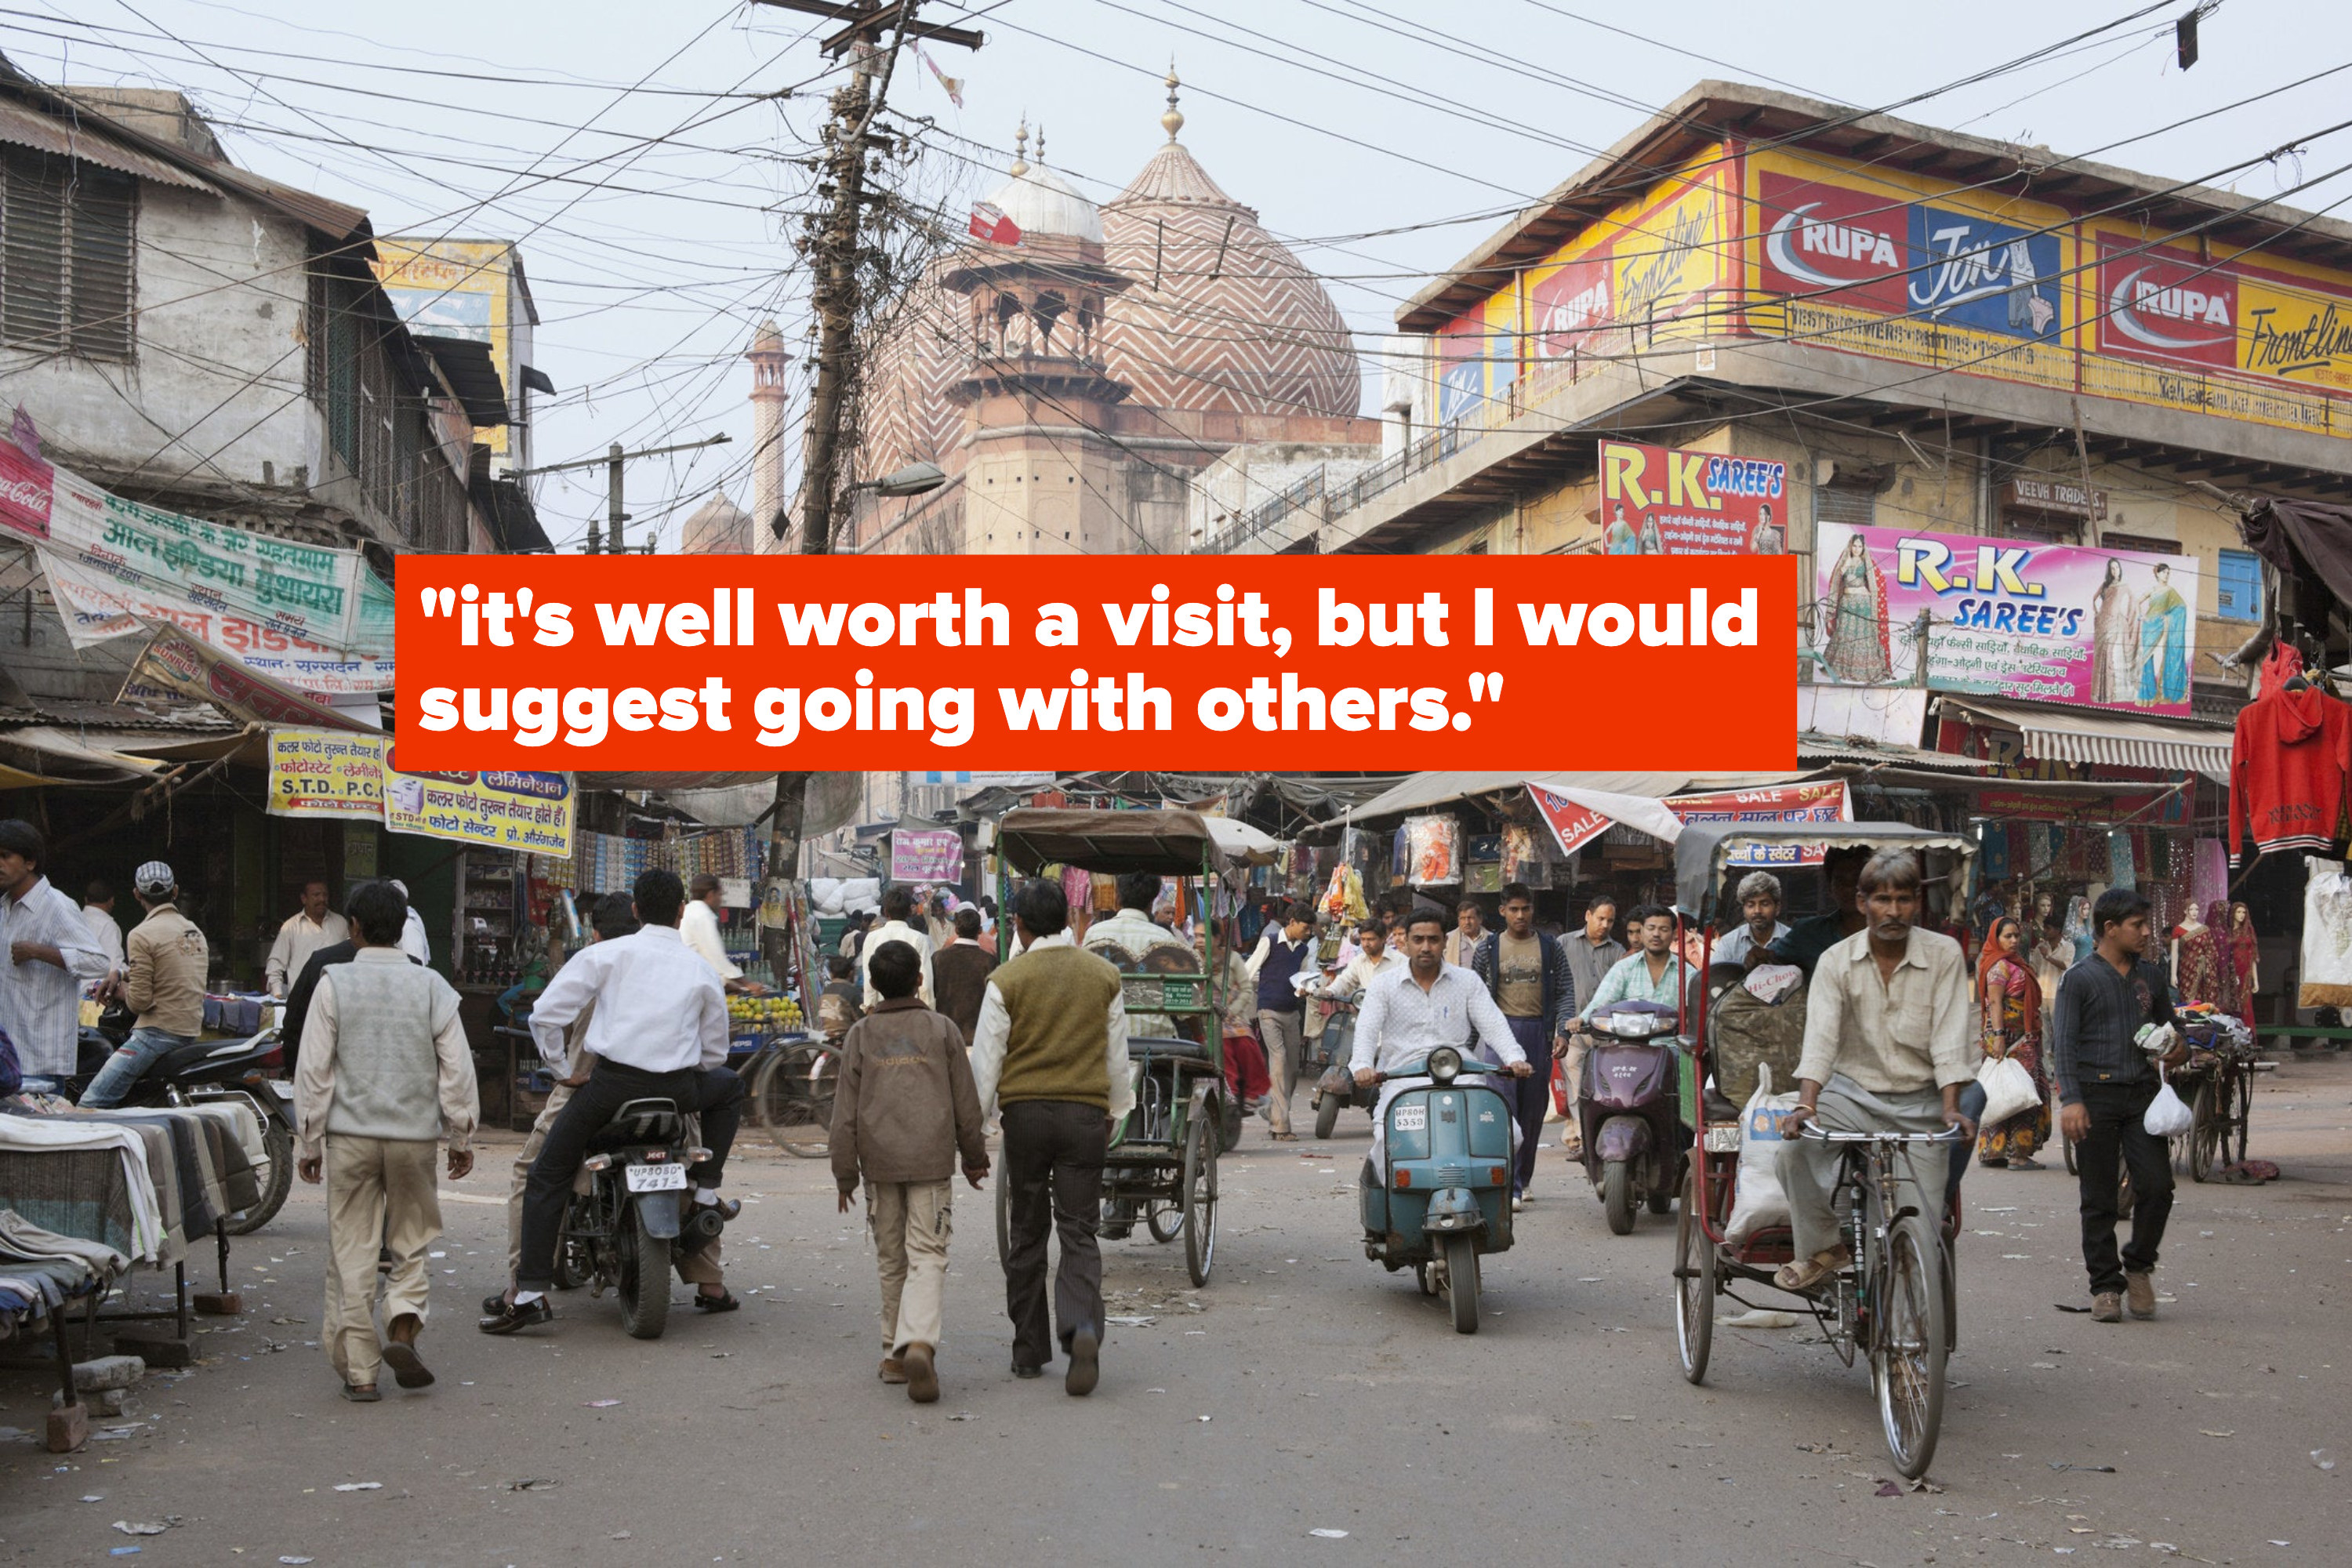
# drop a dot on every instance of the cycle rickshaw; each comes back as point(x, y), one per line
point(1162, 1163)
point(1895, 1304)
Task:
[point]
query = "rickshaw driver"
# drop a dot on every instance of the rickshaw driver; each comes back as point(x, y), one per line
point(1888, 1048)
point(1410, 1012)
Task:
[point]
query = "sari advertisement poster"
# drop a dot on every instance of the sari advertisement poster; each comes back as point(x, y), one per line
point(1655, 500)
point(2045, 622)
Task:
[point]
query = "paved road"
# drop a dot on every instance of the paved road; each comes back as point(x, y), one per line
point(1302, 1390)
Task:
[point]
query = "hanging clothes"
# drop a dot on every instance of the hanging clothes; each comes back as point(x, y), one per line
point(2078, 926)
point(2209, 876)
point(2121, 873)
point(1992, 865)
point(2290, 759)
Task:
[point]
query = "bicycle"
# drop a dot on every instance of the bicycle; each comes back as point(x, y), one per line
point(791, 1088)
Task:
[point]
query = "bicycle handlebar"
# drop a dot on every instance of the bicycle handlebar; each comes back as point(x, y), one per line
point(1948, 1135)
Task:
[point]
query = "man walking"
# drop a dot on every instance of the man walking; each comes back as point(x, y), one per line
point(1527, 974)
point(162, 982)
point(306, 931)
point(46, 954)
point(1051, 1049)
point(699, 929)
point(659, 1032)
point(960, 972)
point(2105, 1084)
point(385, 1076)
point(900, 923)
point(903, 1110)
point(1280, 956)
point(98, 913)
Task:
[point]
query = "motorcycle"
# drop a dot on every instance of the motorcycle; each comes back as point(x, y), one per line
point(245, 1070)
point(631, 1214)
point(1443, 1197)
point(1337, 1088)
point(1628, 1112)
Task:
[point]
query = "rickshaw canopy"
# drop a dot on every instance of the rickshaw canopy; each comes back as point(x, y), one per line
point(1704, 851)
point(1172, 843)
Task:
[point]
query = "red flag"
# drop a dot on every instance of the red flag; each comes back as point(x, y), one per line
point(989, 223)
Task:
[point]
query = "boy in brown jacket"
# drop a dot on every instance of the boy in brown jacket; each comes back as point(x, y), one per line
point(903, 1108)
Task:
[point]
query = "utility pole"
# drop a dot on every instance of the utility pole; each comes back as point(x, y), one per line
point(836, 297)
point(613, 542)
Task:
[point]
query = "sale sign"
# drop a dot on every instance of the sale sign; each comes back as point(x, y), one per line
point(1655, 500)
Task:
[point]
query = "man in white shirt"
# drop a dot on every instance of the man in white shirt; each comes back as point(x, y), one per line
point(699, 931)
point(45, 954)
point(98, 913)
point(1409, 1013)
point(1760, 903)
point(900, 923)
point(413, 939)
point(306, 931)
point(659, 1031)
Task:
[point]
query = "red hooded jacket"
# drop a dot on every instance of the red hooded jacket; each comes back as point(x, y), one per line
point(2289, 765)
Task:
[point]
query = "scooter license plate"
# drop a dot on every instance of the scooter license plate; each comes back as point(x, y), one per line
point(657, 1178)
point(1410, 1119)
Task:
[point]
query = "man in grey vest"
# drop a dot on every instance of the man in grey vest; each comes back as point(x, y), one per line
point(385, 1076)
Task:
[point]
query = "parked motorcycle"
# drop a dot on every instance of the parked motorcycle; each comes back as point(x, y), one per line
point(1443, 1197)
point(1628, 1112)
point(246, 1069)
point(1337, 1088)
point(631, 1213)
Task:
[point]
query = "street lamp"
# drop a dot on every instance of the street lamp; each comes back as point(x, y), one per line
point(915, 479)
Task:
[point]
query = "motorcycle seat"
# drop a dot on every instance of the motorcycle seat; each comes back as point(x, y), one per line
point(639, 1122)
point(180, 1061)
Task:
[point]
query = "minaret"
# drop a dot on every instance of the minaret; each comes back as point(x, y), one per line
point(768, 396)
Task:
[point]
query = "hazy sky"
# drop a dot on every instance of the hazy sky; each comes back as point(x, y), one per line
point(654, 224)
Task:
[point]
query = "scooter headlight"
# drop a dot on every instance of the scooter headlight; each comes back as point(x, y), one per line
point(1632, 1026)
point(1444, 1064)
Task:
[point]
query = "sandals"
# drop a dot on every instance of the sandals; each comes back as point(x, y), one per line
point(1809, 1274)
point(408, 1368)
point(1284, 1137)
point(362, 1393)
point(724, 1301)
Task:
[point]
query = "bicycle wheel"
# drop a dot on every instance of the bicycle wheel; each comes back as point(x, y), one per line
point(792, 1097)
point(1907, 1353)
point(1695, 1285)
point(2207, 1130)
point(2245, 1119)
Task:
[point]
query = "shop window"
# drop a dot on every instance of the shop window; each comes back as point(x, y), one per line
point(66, 234)
point(2039, 528)
point(2145, 543)
point(2238, 595)
point(1845, 503)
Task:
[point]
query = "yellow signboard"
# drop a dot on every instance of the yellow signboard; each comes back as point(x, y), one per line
point(527, 810)
point(456, 289)
point(326, 772)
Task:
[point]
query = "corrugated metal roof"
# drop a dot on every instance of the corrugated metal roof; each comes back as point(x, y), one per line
point(23, 126)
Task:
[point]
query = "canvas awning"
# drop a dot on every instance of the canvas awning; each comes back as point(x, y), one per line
point(2093, 735)
point(1628, 797)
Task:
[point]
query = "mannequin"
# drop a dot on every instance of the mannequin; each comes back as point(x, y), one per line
point(2201, 966)
point(2243, 947)
point(2187, 930)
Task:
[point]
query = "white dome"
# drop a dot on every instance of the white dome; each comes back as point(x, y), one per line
point(1039, 201)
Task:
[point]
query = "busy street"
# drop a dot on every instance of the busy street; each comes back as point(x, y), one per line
point(1305, 1391)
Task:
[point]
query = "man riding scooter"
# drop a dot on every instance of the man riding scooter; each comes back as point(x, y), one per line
point(659, 1031)
point(1408, 1014)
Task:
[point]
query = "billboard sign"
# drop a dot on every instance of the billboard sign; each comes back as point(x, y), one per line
point(2170, 305)
point(2048, 623)
point(457, 288)
point(1655, 500)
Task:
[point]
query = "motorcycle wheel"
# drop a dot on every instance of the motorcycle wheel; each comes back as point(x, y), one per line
point(1617, 1197)
point(1461, 1283)
point(1662, 1201)
point(278, 1140)
point(1327, 1114)
point(644, 1280)
point(573, 1267)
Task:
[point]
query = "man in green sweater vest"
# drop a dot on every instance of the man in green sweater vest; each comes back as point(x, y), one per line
point(1051, 1049)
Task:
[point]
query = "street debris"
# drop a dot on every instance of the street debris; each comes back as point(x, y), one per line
point(146, 1526)
point(2096, 1469)
point(359, 1486)
point(2323, 1457)
point(1328, 1534)
point(535, 1484)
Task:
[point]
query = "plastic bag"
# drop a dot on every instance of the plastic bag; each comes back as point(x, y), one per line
point(2008, 1088)
point(1759, 1200)
point(2168, 1115)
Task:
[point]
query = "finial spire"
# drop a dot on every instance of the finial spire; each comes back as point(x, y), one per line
point(1041, 143)
point(1020, 149)
point(1173, 121)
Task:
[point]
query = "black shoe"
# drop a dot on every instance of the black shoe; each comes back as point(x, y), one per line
point(724, 1301)
point(728, 1208)
point(494, 1303)
point(521, 1315)
point(1086, 1350)
point(1026, 1372)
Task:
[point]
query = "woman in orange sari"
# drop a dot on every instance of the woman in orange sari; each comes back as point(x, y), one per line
point(2011, 996)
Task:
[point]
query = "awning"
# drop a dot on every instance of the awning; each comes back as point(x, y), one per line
point(84, 757)
point(1424, 792)
point(2091, 735)
point(25, 126)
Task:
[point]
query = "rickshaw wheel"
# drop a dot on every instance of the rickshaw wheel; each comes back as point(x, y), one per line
point(1201, 1198)
point(1696, 1285)
point(1165, 1220)
point(1462, 1281)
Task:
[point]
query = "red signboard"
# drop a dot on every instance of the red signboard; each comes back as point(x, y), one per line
point(1823, 239)
point(26, 484)
point(1570, 306)
point(2165, 304)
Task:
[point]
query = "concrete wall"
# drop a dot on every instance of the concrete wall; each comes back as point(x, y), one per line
point(1247, 477)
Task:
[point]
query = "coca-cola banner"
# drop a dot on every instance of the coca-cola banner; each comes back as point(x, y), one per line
point(311, 592)
point(25, 484)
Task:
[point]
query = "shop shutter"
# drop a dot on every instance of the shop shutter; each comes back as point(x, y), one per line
point(2238, 594)
point(1845, 503)
point(67, 282)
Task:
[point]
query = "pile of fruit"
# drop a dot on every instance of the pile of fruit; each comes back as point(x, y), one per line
point(764, 1015)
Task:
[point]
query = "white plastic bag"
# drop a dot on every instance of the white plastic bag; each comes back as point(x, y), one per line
point(2167, 1115)
point(1758, 1201)
point(2009, 1089)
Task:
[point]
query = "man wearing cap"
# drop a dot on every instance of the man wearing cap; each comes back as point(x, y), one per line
point(162, 981)
point(413, 939)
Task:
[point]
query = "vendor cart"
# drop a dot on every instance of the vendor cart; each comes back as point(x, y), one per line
point(1894, 1302)
point(1162, 1162)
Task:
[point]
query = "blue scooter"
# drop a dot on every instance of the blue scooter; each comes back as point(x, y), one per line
point(1444, 1198)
